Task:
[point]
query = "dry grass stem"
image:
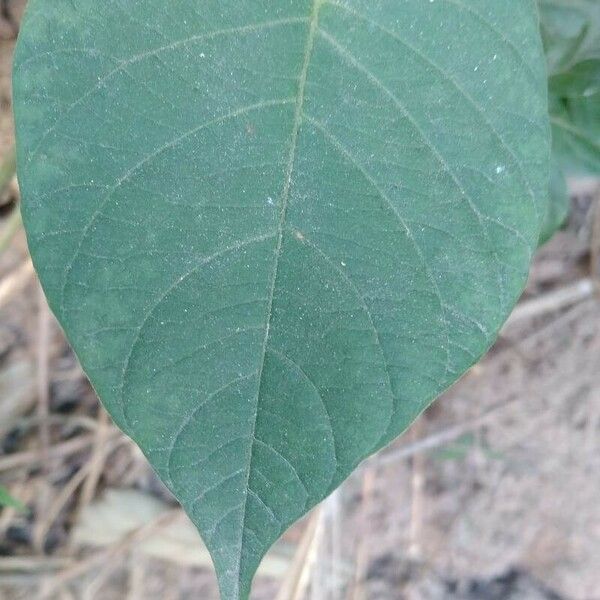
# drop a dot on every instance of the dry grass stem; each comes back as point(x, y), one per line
point(415, 549)
point(96, 461)
point(357, 591)
point(595, 241)
point(43, 379)
point(291, 587)
point(33, 564)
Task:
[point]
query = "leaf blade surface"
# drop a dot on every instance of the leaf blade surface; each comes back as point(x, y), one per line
point(274, 232)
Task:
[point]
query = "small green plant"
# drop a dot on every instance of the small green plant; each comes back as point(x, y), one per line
point(9, 501)
point(571, 35)
point(275, 231)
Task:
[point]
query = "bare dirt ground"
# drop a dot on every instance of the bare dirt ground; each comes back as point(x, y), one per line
point(494, 494)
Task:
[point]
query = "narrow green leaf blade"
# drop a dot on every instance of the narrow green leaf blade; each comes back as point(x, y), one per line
point(274, 231)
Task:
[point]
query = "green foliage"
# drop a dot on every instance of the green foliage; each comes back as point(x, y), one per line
point(6, 500)
point(558, 202)
point(275, 231)
point(571, 34)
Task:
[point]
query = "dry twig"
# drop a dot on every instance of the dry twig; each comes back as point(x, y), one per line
point(33, 458)
point(15, 281)
point(54, 510)
point(108, 556)
point(553, 301)
point(441, 437)
point(8, 167)
point(10, 229)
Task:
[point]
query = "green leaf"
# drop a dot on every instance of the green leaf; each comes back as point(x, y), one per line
point(558, 203)
point(581, 82)
point(275, 231)
point(570, 31)
point(571, 36)
point(7, 500)
point(576, 133)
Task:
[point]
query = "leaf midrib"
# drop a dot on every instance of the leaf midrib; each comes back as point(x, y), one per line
point(308, 50)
